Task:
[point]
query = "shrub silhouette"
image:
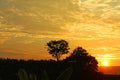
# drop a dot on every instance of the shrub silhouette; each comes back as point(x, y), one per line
point(84, 65)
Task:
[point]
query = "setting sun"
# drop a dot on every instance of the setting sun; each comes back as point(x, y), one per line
point(105, 63)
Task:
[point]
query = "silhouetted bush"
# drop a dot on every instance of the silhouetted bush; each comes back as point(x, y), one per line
point(84, 65)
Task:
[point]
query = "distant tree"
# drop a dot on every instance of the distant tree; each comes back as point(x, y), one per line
point(84, 65)
point(83, 59)
point(58, 48)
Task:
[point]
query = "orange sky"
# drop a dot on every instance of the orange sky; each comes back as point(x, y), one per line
point(26, 27)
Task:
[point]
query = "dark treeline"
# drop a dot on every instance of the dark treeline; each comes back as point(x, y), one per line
point(79, 65)
point(9, 69)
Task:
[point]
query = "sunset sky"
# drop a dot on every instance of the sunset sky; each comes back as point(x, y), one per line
point(27, 25)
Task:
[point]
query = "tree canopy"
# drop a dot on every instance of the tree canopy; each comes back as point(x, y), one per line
point(57, 48)
point(83, 59)
point(84, 65)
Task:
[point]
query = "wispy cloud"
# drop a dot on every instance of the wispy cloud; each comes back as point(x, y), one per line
point(33, 23)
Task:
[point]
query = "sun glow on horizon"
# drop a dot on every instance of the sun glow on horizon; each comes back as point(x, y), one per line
point(105, 59)
point(105, 63)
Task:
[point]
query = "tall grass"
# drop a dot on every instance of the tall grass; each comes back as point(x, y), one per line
point(65, 75)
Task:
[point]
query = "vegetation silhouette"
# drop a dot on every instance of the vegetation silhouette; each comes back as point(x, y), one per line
point(23, 75)
point(58, 48)
point(80, 65)
point(83, 59)
point(84, 65)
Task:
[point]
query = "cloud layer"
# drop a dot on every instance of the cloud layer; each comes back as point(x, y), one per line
point(34, 22)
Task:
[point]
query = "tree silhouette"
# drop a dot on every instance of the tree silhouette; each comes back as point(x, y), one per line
point(81, 57)
point(84, 65)
point(58, 48)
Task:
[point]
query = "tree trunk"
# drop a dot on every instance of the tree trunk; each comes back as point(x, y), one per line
point(57, 58)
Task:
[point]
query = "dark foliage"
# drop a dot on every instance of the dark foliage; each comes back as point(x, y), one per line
point(58, 48)
point(84, 65)
point(10, 67)
point(80, 65)
point(81, 58)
